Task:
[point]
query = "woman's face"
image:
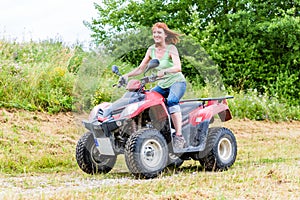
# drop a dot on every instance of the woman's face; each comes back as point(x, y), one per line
point(159, 35)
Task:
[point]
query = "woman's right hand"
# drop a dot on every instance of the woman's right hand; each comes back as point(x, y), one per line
point(123, 80)
point(125, 76)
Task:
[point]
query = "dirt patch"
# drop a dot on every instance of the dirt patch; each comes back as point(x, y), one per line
point(34, 187)
point(245, 126)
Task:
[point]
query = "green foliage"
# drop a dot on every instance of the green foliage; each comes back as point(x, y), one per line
point(130, 47)
point(38, 76)
point(253, 44)
point(50, 86)
point(255, 106)
point(120, 16)
point(48, 76)
point(76, 60)
point(101, 95)
point(258, 54)
point(94, 80)
point(249, 104)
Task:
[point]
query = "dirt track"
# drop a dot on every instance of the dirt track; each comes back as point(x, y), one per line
point(49, 185)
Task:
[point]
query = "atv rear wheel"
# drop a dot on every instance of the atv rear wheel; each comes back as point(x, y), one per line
point(146, 153)
point(89, 159)
point(224, 150)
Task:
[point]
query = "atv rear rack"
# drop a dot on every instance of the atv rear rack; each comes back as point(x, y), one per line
point(208, 99)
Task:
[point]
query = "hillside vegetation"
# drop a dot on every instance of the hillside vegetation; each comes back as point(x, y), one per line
point(50, 77)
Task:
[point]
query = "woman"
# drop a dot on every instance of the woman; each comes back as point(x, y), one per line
point(173, 85)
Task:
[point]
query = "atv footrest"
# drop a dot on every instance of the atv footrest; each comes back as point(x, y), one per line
point(187, 149)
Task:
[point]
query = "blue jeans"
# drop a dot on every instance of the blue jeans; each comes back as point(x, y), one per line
point(173, 94)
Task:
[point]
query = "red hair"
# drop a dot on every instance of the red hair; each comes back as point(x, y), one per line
point(172, 36)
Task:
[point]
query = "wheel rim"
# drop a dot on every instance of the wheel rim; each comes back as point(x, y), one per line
point(152, 154)
point(225, 149)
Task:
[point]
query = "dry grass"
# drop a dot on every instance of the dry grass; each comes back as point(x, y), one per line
point(267, 166)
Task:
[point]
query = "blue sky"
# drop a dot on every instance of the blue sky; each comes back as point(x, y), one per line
point(44, 19)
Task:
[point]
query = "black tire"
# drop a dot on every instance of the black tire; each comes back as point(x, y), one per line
point(224, 150)
point(89, 158)
point(146, 153)
point(174, 161)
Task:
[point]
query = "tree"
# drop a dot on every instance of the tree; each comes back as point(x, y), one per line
point(258, 48)
point(255, 44)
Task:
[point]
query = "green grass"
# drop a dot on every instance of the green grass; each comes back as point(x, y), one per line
point(38, 152)
point(31, 142)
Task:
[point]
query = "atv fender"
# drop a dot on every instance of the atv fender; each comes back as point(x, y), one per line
point(102, 140)
point(104, 146)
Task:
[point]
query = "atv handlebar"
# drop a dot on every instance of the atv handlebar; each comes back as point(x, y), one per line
point(149, 79)
point(122, 82)
point(145, 80)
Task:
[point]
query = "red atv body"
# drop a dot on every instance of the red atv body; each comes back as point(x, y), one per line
point(139, 126)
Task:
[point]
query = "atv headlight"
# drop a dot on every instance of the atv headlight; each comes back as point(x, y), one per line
point(131, 109)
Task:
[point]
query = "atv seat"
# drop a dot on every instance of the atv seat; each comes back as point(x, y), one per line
point(187, 107)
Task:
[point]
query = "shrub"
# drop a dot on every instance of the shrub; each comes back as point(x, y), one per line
point(36, 76)
point(256, 106)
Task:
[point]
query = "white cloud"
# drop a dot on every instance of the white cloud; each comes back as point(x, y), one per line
point(44, 19)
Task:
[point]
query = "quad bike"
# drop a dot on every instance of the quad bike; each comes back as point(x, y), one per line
point(139, 126)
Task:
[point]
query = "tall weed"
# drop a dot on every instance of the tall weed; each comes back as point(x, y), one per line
point(248, 104)
point(38, 76)
point(48, 76)
point(255, 106)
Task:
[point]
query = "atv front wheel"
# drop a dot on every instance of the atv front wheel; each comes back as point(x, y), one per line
point(146, 153)
point(89, 159)
point(223, 152)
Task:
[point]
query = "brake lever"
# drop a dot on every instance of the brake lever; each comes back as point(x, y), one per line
point(118, 85)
